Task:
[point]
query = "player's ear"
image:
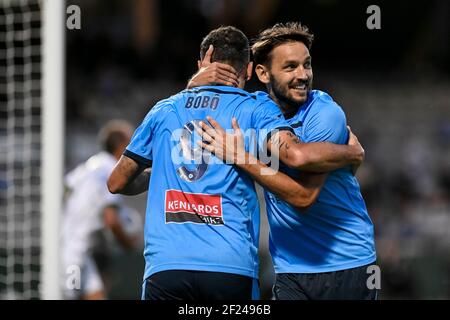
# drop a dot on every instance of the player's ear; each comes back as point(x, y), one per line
point(199, 64)
point(263, 73)
point(249, 71)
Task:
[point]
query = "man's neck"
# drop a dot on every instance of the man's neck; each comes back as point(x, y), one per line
point(288, 110)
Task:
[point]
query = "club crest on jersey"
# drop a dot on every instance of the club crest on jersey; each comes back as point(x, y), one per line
point(183, 207)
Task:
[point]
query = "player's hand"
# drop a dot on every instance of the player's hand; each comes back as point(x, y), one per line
point(228, 146)
point(213, 73)
point(353, 141)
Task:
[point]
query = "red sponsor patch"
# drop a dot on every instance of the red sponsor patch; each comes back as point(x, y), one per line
point(193, 207)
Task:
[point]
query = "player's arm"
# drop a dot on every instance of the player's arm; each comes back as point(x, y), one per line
point(319, 157)
point(112, 221)
point(315, 156)
point(300, 192)
point(312, 157)
point(129, 177)
point(213, 73)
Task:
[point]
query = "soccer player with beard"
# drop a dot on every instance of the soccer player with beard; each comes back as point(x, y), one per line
point(202, 218)
point(322, 252)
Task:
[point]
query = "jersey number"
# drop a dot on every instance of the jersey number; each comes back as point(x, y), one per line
point(192, 152)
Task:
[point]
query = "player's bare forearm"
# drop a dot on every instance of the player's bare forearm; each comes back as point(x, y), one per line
point(300, 193)
point(325, 156)
point(230, 146)
point(123, 178)
point(315, 156)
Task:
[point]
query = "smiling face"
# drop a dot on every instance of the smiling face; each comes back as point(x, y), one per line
point(288, 75)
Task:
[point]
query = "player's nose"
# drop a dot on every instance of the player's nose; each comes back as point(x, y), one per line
point(301, 74)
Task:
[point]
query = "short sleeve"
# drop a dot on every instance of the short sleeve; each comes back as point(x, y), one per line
point(327, 123)
point(140, 148)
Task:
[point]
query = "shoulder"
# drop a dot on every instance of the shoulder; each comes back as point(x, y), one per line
point(265, 102)
point(99, 166)
point(72, 178)
point(161, 109)
point(262, 97)
point(325, 120)
point(323, 106)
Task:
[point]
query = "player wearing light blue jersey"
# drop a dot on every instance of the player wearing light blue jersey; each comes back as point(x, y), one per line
point(202, 219)
point(336, 233)
point(202, 203)
point(334, 238)
point(322, 252)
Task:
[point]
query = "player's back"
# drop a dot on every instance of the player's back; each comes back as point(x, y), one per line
point(202, 214)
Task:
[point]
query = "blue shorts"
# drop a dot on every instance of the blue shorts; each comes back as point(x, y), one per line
point(199, 285)
point(349, 284)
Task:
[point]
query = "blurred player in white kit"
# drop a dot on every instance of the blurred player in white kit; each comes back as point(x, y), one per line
point(92, 215)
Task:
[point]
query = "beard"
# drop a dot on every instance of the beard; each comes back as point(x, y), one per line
point(284, 96)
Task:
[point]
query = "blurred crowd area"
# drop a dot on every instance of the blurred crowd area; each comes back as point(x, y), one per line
point(393, 83)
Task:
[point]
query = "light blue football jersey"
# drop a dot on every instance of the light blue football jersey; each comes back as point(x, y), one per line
point(336, 233)
point(201, 214)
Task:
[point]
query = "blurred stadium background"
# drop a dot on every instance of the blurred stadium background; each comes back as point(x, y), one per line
point(393, 83)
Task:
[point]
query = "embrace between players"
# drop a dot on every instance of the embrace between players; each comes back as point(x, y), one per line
point(202, 218)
